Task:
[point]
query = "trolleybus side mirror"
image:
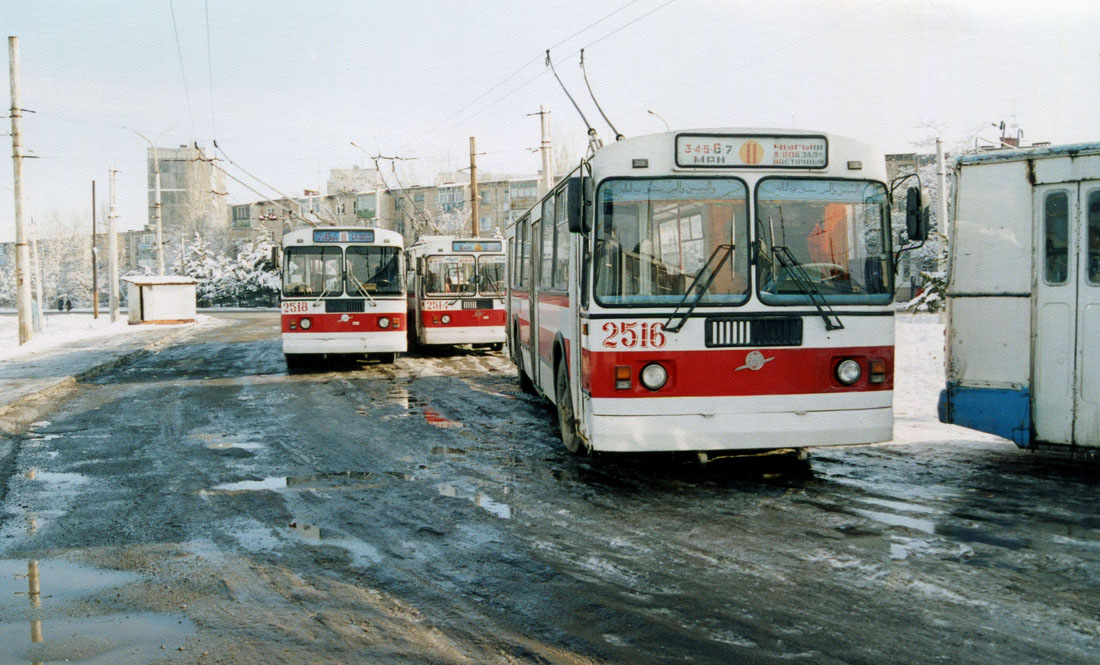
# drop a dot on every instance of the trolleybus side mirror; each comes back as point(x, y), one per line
point(275, 256)
point(916, 216)
point(575, 195)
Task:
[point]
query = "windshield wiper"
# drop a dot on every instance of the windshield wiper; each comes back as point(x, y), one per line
point(359, 286)
point(700, 289)
point(806, 285)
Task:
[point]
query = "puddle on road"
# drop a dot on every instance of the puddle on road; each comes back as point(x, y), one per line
point(41, 592)
point(444, 450)
point(480, 499)
point(924, 526)
point(322, 482)
point(223, 442)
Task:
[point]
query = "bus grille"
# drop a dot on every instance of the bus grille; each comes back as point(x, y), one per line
point(728, 331)
point(343, 306)
point(480, 303)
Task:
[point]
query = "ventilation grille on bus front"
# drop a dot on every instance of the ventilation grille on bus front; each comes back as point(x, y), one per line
point(343, 306)
point(480, 303)
point(728, 331)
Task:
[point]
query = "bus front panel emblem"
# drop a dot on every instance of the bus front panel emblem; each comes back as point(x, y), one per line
point(754, 361)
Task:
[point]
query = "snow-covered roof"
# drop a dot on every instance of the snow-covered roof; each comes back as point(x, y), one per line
point(1068, 150)
point(153, 280)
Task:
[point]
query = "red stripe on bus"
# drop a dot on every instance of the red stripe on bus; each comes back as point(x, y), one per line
point(553, 299)
point(333, 323)
point(730, 372)
point(463, 318)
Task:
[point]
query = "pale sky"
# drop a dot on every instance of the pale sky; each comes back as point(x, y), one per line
point(285, 87)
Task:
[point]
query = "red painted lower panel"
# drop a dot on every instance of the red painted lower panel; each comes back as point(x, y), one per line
point(729, 372)
point(463, 318)
point(334, 323)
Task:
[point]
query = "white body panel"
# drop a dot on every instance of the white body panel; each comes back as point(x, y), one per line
point(1024, 296)
point(375, 342)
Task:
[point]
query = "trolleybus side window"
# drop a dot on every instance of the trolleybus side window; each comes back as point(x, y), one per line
point(1056, 234)
point(546, 275)
point(374, 271)
point(561, 242)
point(1094, 236)
point(490, 274)
point(312, 271)
point(525, 257)
point(653, 237)
point(825, 235)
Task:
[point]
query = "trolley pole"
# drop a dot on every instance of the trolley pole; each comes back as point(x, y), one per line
point(112, 252)
point(474, 201)
point(95, 267)
point(22, 251)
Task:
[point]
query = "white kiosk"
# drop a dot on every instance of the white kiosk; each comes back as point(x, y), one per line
point(161, 299)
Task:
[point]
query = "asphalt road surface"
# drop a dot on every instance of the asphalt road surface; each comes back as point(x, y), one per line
point(200, 505)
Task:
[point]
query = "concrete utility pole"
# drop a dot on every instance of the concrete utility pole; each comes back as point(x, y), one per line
point(475, 231)
point(112, 251)
point(22, 254)
point(36, 268)
point(156, 199)
point(546, 150)
point(95, 268)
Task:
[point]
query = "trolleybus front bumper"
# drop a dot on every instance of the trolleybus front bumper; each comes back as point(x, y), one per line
point(375, 342)
point(742, 423)
point(464, 335)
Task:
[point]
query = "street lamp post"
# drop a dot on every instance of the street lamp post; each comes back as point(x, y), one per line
point(156, 198)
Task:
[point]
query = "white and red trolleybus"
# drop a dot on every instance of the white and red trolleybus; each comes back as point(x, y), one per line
point(343, 293)
point(710, 290)
point(456, 291)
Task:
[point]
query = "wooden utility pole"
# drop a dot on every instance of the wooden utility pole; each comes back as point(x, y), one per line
point(22, 251)
point(112, 252)
point(475, 231)
point(95, 268)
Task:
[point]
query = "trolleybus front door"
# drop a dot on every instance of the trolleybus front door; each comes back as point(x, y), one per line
point(1066, 356)
point(1087, 417)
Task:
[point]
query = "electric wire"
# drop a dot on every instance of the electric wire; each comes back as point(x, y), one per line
point(183, 73)
point(210, 71)
point(522, 67)
point(250, 175)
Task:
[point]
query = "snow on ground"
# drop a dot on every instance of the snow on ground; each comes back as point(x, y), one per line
point(63, 329)
point(918, 380)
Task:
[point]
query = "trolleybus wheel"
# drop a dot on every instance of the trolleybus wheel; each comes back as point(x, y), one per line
point(498, 347)
point(386, 358)
point(566, 422)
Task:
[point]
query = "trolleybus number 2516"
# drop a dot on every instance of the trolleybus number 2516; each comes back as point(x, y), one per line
point(643, 283)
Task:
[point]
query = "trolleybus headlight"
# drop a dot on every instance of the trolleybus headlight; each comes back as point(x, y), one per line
point(446, 318)
point(654, 376)
point(383, 322)
point(305, 324)
point(848, 372)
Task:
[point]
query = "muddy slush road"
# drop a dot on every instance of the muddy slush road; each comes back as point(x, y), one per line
point(199, 505)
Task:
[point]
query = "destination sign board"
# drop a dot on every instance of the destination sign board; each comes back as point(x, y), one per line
point(752, 151)
point(329, 235)
point(476, 246)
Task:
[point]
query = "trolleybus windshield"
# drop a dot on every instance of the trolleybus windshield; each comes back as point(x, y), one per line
point(312, 271)
point(374, 271)
point(450, 275)
point(828, 235)
point(654, 235)
point(490, 275)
